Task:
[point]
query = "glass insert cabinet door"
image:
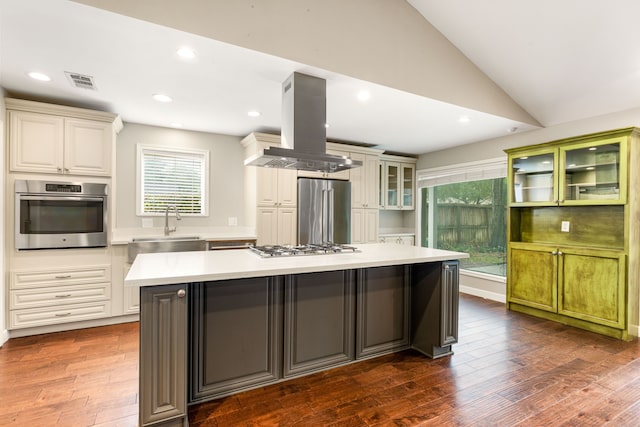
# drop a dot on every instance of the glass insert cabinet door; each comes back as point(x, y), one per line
point(393, 184)
point(407, 186)
point(593, 172)
point(533, 176)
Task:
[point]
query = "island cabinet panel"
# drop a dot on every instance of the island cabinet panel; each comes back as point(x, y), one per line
point(382, 323)
point(163, 348)
point(434, 307)
point(236, 335)
point(319, 321)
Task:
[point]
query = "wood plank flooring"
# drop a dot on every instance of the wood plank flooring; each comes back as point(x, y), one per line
point(508, 369)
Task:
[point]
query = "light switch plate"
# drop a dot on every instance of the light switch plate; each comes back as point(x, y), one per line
point(564, 227)
point(233, 220)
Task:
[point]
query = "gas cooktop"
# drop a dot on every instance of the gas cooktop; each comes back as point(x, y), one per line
point(311, 249)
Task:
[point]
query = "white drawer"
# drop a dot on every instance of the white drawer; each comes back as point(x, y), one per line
point(60, 277)
point(62, 314)
point(54, 296)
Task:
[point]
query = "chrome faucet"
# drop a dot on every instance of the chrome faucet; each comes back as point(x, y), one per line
point(168, 230)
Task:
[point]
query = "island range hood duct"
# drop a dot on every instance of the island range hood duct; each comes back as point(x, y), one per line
point(304, 136)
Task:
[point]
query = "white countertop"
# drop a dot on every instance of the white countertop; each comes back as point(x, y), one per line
point(182, 267)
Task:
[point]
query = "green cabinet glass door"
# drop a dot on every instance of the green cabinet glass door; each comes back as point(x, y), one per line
point(594, 173)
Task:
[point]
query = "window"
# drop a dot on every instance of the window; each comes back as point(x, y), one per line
point(171, 176)
point(464, 209)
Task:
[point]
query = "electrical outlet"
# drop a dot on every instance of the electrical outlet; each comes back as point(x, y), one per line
point(147, 222)
point(564, 227)
point(233, 220)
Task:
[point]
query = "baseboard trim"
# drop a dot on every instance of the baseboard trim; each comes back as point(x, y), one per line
point(493, 296)
point(4, 337)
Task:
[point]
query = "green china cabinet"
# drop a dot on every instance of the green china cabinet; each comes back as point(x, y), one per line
point(573, 239)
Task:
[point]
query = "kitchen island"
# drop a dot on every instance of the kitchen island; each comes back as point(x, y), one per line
point(216, 323)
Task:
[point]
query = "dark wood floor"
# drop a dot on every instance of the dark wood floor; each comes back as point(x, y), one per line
point(508, 369)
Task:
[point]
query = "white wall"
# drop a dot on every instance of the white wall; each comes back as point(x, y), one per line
point(226, 163)
point(494, 148)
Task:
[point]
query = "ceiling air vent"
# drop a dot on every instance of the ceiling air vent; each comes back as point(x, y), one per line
point(81, 81)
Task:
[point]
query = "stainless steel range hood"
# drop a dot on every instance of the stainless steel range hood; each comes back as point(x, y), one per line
point(304, 136)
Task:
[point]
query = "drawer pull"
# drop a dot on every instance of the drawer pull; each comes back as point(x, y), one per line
point(63, 314)
point(63, 296)
point(64, 277)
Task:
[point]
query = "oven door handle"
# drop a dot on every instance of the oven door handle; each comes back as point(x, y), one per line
point(57, 198)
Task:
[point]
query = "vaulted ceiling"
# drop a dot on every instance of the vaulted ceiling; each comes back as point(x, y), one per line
point(558, 61)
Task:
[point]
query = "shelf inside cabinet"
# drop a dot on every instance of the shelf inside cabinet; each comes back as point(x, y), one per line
point(590, 226)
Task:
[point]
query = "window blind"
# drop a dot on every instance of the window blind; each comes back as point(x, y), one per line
point(172, 178)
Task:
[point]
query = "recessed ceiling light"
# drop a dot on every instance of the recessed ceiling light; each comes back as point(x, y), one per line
point(161, 97)
point(463, 119)
point(186, 52)
point(593, 148)
point(39, 76)
point(364, 95)
point(254, 114)
point(326, 125)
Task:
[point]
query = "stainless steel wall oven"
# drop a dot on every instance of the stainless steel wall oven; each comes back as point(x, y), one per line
point(60, 215)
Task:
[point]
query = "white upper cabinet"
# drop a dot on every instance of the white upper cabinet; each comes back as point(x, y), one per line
point(276, 187)
point(364, 181)
point(52, 139)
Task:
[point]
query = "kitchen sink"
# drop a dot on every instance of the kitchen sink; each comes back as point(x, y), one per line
point(144, 245)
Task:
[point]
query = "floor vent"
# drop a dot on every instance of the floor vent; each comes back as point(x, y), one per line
point(81, 81)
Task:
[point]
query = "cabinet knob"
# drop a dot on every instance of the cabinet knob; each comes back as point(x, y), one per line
point(554, 253)
point(182, 293)
point(66, 170)
point(59, 170)
point(446, 266)
point(560, 253)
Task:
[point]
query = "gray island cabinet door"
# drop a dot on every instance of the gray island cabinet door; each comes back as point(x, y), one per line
point(434, 307)
point(163, 356)
point(236, 336)
point(382, 323)
point(319, 319)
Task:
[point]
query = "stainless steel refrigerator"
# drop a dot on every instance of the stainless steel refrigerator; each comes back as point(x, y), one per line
point(324, 211)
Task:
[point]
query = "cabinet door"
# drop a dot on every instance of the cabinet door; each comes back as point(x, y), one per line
point(592, 286)
point(392, 187)
point(163, 355)
point(532, 276)
point(287, 227)
point(266, 187)
point(287, 188)
point(364, 181)
point(407, 173)
point(36, 142)
point(267, 226)
point(364, 225)
point(594, 172)
point(236, 335)
point(532, 179)
point(382, 322)
point(318, 321)
point(372, 217)
point(87, 147)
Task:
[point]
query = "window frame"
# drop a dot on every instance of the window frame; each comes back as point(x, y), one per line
point(144, 149)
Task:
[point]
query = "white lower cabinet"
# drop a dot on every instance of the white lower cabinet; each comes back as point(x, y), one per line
point(277, 226)
point(53, 296)
point(364, 225)
point(130, 296)
point(399, 239)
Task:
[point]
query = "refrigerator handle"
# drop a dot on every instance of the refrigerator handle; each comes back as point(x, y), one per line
point(323, 223)
point(329, 217)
